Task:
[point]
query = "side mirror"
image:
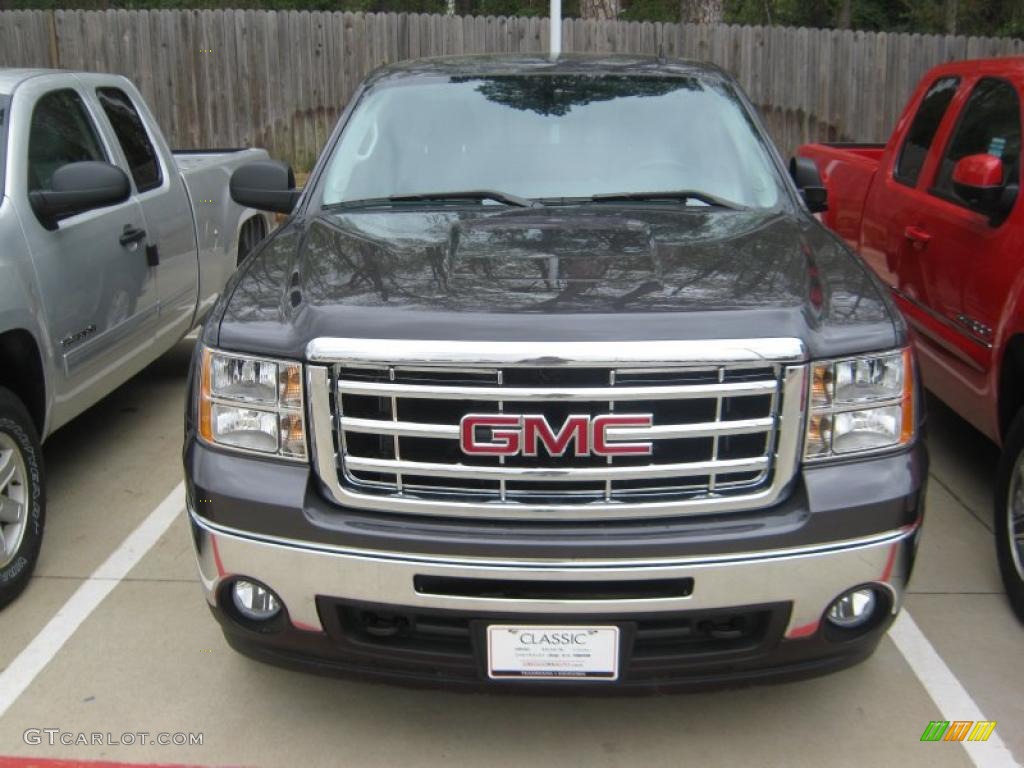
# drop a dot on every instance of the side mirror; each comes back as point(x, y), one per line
point(978, 181)
point(808, 180)
point(79, 187)
point(267, 185)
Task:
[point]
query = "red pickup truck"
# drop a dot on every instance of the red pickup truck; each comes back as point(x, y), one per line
point(935, 213)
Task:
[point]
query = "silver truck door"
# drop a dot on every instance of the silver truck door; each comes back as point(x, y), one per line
point(164, 200)
point(97, 292)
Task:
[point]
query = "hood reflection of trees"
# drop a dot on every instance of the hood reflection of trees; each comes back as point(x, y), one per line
point(534, 267)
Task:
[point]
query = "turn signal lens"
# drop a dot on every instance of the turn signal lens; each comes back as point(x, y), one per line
point(205, 409)
point(251, 404)
point(819, 434)
point(293, 435)
point(821, 385)
point(291, 386)
point(861, 405)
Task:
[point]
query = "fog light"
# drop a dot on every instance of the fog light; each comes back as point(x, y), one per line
point(255, 601)
point(852, 609)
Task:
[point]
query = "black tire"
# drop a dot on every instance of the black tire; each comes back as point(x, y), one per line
point(253, 232)
point(1010, 480)
point(19, 444)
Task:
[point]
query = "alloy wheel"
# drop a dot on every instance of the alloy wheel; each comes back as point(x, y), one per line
point(13, 498)
point(1015, 515)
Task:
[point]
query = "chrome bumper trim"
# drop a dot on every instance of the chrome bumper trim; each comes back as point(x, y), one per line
point(808, 578)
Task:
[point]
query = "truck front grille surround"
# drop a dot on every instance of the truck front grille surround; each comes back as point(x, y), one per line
point(726, 425)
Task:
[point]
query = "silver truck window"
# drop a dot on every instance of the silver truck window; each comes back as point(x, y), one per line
point(923, 129)
point(131, 133)
point(62, 132)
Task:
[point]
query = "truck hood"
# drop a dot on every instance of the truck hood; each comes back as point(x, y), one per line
point(579, 273)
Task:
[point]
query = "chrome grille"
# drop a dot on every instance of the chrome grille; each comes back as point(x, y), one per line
point(725, 434)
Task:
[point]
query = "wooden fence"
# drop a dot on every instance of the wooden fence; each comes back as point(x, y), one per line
point(280, 79)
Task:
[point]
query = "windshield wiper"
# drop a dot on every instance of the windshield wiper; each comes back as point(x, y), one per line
point(436, 197)
point(473, 194)
point(681, 195)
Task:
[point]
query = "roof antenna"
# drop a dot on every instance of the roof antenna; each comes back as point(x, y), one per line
point(556, 29)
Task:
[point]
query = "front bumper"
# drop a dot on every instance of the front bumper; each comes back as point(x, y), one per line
point(771, 572)
point(779, 597)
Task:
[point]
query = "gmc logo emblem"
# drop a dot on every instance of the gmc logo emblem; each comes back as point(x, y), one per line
point(493, 434)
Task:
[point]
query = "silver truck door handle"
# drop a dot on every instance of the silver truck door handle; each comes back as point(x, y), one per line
point(131, 236)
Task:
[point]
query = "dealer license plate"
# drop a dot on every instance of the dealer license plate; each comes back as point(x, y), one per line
point(552, 652)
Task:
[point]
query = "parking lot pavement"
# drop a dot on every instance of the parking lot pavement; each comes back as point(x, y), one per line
point(150, 658)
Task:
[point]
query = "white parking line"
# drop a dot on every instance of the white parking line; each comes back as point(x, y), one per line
point(37, 654)
point(952, 699)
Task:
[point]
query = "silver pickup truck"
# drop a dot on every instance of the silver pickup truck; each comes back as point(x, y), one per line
point(111, 249)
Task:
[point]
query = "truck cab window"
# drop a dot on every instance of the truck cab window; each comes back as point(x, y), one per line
point(131, 133)
point(61, 132)
point(989, 125)
point(922, 130)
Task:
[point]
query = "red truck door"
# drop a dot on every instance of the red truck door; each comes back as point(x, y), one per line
point(895, 240)
point(972, 243)
point(979, 254)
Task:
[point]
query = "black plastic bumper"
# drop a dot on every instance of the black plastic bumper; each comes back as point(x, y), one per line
point(340, 652)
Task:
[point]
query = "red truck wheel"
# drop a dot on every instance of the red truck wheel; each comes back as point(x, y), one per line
point(1009, 515)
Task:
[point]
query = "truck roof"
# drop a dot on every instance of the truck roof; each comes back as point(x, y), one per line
point(1006, 66)
point(568, 64)
point(10, 77)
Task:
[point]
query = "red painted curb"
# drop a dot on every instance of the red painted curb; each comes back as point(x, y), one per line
point(34, 762)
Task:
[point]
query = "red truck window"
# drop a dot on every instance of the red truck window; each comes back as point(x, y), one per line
point(988, 125)
point(922, 130)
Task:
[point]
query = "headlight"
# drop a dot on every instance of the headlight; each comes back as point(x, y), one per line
point(861, 405)
point(252, 404)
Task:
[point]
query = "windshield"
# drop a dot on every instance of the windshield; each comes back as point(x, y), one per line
point(552, 136)
point(5, 105)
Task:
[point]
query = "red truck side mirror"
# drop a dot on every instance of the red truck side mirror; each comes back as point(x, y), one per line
point(978, 181)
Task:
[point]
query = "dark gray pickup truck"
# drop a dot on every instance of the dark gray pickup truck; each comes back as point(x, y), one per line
point(552, 379)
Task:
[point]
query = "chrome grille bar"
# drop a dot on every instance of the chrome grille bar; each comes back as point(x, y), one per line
point(573, 474)
point(557, 394)
point(555, 354)
point(657, 432)
point(718, 418)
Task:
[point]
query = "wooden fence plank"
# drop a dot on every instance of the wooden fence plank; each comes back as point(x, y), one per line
point(281, 79)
